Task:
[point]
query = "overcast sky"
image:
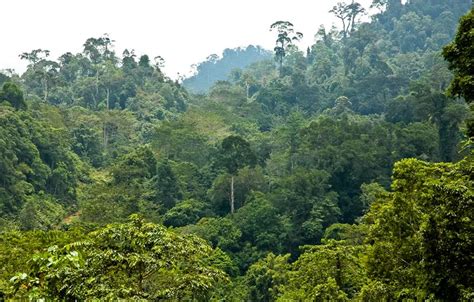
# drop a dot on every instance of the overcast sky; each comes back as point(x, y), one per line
point(183, 32)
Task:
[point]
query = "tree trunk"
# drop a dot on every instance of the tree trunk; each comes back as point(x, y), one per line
point(232, 201)
point(344, 33)
point(45, 88)
point(108, 98)
point(97, 84)
point(247, 88)
point(105, 136)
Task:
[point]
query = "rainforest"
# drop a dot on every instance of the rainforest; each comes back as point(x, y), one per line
point(343, 171)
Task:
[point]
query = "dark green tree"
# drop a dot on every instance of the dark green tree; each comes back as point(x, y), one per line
point(87, 143)
point(41, 69)
point(168, 190)
point(235, 153)
point(460, 55)
point(185, 212)
point(3, 78)
point(348, 14)
point(13, 94)
point(285, 39)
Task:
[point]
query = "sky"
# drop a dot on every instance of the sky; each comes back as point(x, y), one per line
point(183, 32)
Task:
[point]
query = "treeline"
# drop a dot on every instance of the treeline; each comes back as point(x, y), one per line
point(289, 181)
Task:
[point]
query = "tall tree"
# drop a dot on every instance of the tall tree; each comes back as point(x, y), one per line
point(167, 185)
point(42, 68)
point(460, 55)
point(99, 51)
point(286, 37)
point(235, 153)
point(348, 14)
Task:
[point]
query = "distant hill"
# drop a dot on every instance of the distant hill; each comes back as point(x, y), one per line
point(217, 68)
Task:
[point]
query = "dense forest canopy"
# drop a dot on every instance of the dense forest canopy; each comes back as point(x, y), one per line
point(340, 172)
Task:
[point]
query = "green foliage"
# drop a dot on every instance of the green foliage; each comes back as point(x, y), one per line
point(235, 153)
point(168, 192)
point(265, 277)
point(421, 230)
point(87, 144)
point(193, 182)
point(12, 94)
point(185, 212)
point(247, 180)
point(34, 158)
point(327, 272)
point(305, 198)
point(130, 189)
point(97, 79)
point(274, 161)
point(459, 54)
point(350, 233)
point(261, 225)
point(3, 78)
point(136, 166)
point(180, 141)
point(219, 232)
point(16, 249)
point(40, 213)
point(135, 260)
point(286, 37)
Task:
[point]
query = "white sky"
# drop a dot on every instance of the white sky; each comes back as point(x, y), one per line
point(183, 32)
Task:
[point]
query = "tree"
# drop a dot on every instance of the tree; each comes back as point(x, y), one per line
point(13, 94)
point(305, 198)
point(138, 165)
point(34, 158)
point(235, 153)
point(261, 224)
point(100, 53)
point(219, 232)
point(286, 37)
point(41, 67)
point(16, 249)
point(3, 78)
point(41, 212)
point(185, 212)
point(329, 272)
point(131, 261)
point(167, 186)
point(447, 114)
point(460, 55)
point(87, 144)
point(382, 4)
point(266, 277)
point(99, 49)
point(347, 13)
point(419, 233)
point(355, 10)
point(246, 181)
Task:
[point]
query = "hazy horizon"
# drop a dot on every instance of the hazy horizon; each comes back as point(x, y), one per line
point(182, 32)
